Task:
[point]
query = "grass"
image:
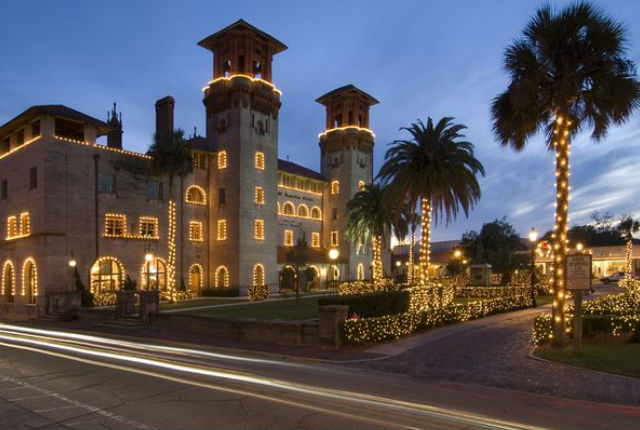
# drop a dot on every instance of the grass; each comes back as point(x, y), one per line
point(209, 301)
point(621, 359)
point(266, 310)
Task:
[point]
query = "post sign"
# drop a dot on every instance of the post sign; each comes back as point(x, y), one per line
point(578, 272)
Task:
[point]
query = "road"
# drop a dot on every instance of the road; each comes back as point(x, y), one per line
point(52, 379)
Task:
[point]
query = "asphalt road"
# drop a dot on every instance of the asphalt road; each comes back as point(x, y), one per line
point(61, 380)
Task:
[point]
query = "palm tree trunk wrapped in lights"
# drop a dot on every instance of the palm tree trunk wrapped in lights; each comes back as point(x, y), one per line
point(425, 240)
point(171, 261)
point(627, 227)
point(376, 245)
point(410, 271)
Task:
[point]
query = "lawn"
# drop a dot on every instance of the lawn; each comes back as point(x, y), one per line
point(209, 301)
point(266, 310)
point(622, 359)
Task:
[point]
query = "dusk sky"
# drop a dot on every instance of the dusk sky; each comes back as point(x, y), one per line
point(418, 58)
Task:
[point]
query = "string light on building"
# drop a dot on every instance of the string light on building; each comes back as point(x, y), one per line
point(243, 76)
point(349, 127)
point(29, 264)
point(171, 266)
point(222, 229)
point(8, 269)
point(196, 195)
point(425, 242)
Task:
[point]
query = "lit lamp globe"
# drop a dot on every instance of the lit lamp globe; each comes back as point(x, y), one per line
point(579, 247)
point(457, 253)
point(148, 257)
point(72, 263)
point(398, 263)
point(533, 235)
point(334, 254)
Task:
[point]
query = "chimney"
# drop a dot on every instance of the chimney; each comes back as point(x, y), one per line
point(164, 115)
point(114, 137)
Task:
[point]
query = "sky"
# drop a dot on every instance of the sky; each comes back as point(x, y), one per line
point(419, 58)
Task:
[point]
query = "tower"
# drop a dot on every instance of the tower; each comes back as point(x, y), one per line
point(242, 108)
point(346, 147)
point(114, 136)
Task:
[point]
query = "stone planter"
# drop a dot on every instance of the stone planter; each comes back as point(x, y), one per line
point(149, 304)
point(331, 324)
point(125, 303)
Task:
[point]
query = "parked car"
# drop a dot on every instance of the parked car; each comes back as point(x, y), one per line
point(614, 278)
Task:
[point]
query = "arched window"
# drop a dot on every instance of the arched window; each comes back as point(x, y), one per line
point(222, 277)
point(222, 160)
point(303, 210)
point(316, 213)
point(8, 281)
point(195, 277)
point(361, 185)
point(25, 224)
point(107, 275)
point(335, 187)
point(195, 195)
point(334, 273)
point(360, 274)
point(154, 275)
point(288, 209)
point(258, 274)
point(30, 280)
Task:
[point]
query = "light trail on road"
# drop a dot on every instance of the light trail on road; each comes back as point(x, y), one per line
point(139, 357)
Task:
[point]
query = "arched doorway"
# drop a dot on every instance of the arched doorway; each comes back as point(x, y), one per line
point(30, 280)
point(154, 275)
point(287, 279)
point(312, 275)
point(107, 275)
point(195, 277)
point(258, 274)
point(8, 281)
point(222, 277)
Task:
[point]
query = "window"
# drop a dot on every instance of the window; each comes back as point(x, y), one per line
point(303, 211)
point(288, 238)
point(196, 195)
point(107, 275)
point(148, 227)
point(335, 187)
point(195, 277)
point(154, 190)
point(154, 275)
point(260, 160)
point(222, 160)
point(288, 209)
point(20, 137)
point(259, 195)
point(334, 213)
point(258, 274)
point(12, 227)
point(222, 196)
point(315, 240)
point(5, 146)
point(222, 277)
point(25, 224)
point(106, 183)
point(259, 229)
point(196, 231)
point(5, 189)
point(30, 280)
point(115, 225)
point(316, 213)
point(334, 238)
point(35, 129)
point(33, 178)
point(361, 185)
point(8, 281)
point(199, 161)
point(222, 229)
point(360, 274)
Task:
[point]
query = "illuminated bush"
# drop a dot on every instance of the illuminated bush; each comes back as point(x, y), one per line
point(258, 292)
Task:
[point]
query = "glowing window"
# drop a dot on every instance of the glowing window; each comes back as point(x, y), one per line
point(12, 227)
point(360, 274)
point(288, 238)
point(334, 238)
point(115, 225)
point(30, 280)
point(154, 275)
point(222, 277)
point(288, 209)
point(259, 195)
point(196, 195)
point(196, 233)
point(148, 227)
point(222, 229)
point(315, 240)
point(316, 213)
point(335, 187)
point(107, 275)
point(303, 211)
point(260, 160)
point(195, 277)
point(361, 185)
point(222, 160)
point(8, 281)
point(258, 274)
point(259, 229)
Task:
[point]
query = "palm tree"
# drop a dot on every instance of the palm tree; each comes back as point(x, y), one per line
point(298, 260)
point(435, 168)
point(410, 217)
point(567, 71)
point(627, 227)
point(171, 156)
point(370, 219)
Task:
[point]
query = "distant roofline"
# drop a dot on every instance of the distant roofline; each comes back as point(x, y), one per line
point(297, 169)
point(61, 111)
point(209, 41)
point(346, 88)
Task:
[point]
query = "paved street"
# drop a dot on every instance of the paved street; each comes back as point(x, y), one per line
point(57, 380)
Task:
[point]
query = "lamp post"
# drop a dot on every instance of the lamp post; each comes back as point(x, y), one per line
point(148, 258)
point(333, 256)
point(533, 237)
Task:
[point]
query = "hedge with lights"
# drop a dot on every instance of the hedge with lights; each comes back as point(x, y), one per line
point(367, 287)
point(617, 315)
point(378, 329)
point(491, 292)
point(258, 292)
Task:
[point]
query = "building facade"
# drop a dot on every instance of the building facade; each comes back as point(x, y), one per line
point(68, 202)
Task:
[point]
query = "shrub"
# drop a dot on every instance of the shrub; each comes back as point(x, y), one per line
point(367, 287)
point(258, 292)
point(220, 292)
point(129, 284)
point(491, 292)
point(86, 297)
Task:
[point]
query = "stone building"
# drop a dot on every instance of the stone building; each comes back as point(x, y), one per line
point(68, 202)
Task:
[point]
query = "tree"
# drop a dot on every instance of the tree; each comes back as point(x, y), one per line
point(567, 71)
point(411, 218)
point(627, 227)
point(436, 168)
point(171, 156)
point(495, 244)
point(297, 259)
point(371, 219)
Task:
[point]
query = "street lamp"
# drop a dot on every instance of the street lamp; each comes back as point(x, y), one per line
point(533, 237)
point(148, 257)
point(579, 247)
point(457, 253)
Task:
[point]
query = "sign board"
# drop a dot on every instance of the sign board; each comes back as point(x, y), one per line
point(578, 272)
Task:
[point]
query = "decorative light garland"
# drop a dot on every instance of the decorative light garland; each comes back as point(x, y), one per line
point(103, 147)
point(222, 160)
point(348, 127)
point(288, 238)
point(171, 267)
point(299, 189)
point(259, 160)
point(29, 260)
point(240, 75)
point(222, 230)
point(17, 148)
point(8, 265)
point(198, 270)
point(259, 195)
point(315, 239)
point(15, 232)
point(225, 277)
point(425, 240)
point(95, 269)
point(334, 238)
point(259, 229)
point(201, 200)
point(335, 188)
